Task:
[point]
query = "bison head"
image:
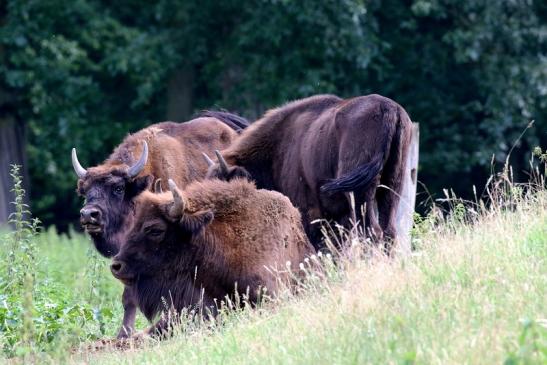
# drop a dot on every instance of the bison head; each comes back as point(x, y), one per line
point(160, 230)
point(222, 171)
point(109, 190)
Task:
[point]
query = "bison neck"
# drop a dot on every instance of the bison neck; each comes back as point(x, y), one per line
point(260, 168)
point(262, 176)
point(105, 244)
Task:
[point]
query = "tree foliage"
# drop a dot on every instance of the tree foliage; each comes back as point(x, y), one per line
point(85, 73)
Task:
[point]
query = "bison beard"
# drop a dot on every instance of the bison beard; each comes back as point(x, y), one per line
point(158, 152)
point(318, 150)
point(192, 249)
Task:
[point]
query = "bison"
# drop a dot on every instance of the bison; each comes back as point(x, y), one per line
point(158, 152)
point(319, 149)
point(192, 248)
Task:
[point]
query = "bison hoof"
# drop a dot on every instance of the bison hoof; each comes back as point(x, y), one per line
point(140, 336)
point(125, 333)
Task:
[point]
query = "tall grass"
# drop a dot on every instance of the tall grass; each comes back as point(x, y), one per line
point(473, 291)
point(472, 294)
point(54, 290)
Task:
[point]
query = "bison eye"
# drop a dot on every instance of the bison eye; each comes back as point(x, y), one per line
point(155, 232)
point(119, 189)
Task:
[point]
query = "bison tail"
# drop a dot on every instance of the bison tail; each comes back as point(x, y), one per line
point(234, 121)
point(358, 179)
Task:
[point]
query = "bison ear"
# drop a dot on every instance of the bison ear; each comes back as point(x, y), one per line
point(138, 185)
point(194, 223)
point(80, 188)
point(234, 172)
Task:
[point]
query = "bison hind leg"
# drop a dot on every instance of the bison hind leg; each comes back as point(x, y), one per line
point(361, 179)
point(366, 213)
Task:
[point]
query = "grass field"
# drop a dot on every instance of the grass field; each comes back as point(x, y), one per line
point(470, 294)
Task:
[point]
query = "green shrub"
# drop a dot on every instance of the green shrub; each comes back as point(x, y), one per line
point(53, 294)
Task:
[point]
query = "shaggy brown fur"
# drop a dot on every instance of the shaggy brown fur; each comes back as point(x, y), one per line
point(222, 240)
point(174, 152)
point(317, 150)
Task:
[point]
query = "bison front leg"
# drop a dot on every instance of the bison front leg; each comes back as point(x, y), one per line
point(161, 329)
point(129, 302)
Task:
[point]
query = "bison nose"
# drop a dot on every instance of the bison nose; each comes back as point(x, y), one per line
point(116, 267)
point(90, 215)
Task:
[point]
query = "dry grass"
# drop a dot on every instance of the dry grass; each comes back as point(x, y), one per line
point(474, 293)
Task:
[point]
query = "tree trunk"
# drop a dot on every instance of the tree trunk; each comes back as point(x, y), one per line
point(405, 213)
point(179, 94)
point(12, 151)
point(12, 143)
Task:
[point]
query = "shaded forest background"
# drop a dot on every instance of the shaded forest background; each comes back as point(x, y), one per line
point(84, 73)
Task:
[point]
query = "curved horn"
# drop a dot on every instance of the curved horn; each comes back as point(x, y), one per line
point(177, 208)
point(80, 171)
point(222, 162)
point(137, 168)
point(157, 187)
point(208, 160)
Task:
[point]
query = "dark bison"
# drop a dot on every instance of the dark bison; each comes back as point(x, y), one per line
point(317, 150)
point(192, 248)
point(161, 151)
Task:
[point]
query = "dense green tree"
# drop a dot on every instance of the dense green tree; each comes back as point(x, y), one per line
point(84, 73)
point(474, 73)
point(79, 77)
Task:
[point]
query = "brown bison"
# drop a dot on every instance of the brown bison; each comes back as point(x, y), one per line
point(161, 151)
point(317, 150)
point(192, 248)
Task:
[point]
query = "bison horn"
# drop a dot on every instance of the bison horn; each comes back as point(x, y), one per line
point(178, 203)
point(157, 187)
point(139, 166)
point(80, 171)
point(208, 160)
point(222, 162)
